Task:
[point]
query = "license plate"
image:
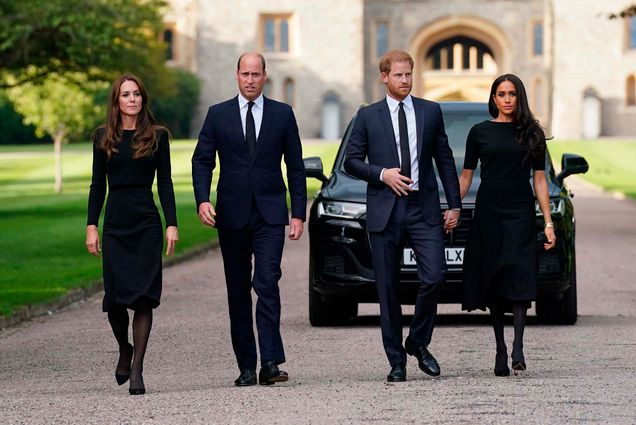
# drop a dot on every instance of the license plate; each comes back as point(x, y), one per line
point(454, 256)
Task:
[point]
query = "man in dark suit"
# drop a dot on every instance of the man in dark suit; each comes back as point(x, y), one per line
point(400, 136)
point(251, 134)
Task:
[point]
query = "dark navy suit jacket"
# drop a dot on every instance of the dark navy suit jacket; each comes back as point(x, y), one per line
point(244, 179)
point(373, 137)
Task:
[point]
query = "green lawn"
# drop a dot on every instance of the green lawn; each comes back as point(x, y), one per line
point(42, 234)
point(611, 162)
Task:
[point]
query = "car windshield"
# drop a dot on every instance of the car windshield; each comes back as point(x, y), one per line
point(458, 124)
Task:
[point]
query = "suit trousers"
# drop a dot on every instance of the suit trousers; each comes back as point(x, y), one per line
point(407, 224)
point(265, 243)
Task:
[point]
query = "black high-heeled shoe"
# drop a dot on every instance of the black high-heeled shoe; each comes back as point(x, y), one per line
point(501, 364)
point(518, 362)
point(122, 371)
point(518, 366)
point(139, 388)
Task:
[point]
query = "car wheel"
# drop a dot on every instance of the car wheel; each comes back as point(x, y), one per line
point(328, 313)
point(563, 311)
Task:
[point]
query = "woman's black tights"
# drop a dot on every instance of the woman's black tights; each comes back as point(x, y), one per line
point(141, 326)
point(519, 312)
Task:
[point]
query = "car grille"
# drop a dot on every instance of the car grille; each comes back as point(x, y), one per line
point(548, 262)
point(338, 264)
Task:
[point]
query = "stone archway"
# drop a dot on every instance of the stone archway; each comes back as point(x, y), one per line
point(458, 57)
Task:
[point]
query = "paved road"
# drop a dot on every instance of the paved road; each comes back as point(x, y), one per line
point(58, 369)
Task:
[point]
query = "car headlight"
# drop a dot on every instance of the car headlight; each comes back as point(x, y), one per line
point(341, 209)
point(557, 206)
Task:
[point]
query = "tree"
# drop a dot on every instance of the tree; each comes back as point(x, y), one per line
point(175, 110)
point(97, 38)
point(59, 107)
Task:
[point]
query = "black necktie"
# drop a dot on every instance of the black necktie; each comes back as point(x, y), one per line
point(405, 151)
point(250, 129)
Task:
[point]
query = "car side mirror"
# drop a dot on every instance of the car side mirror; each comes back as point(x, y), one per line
point(572, 164)
point(313, 168)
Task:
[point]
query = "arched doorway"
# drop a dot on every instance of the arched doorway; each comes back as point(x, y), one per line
point(457, 58)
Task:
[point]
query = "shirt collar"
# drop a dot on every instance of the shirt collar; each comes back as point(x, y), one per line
point(243, 102)
point(395, 104)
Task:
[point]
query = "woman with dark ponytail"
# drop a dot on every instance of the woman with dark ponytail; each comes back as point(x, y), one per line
point(127, 153)
point(500, 259)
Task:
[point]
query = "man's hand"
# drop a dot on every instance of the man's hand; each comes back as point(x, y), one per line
point(295, 229)
point(207, 214)
point(172, 236)
point(451, 219)
point(396, 181)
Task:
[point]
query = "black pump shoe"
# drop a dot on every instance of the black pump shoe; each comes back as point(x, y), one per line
point(518, 362)
point(122, 372)
point(501, 365)
point(138, 389)
point(518, 366)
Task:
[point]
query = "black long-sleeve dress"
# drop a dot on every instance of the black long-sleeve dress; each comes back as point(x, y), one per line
point(132, 240)
point(500, 257)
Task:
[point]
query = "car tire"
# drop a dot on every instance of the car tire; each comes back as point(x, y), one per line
point(328, 313)
point(563, 311)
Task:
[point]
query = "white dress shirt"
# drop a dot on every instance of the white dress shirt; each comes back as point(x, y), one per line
point(394, 108)
point(257, 112)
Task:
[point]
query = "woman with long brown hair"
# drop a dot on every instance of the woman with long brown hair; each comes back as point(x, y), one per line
point(500, 259)
point(127, 153)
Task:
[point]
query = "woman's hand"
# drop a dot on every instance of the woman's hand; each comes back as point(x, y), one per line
point(551, 237)
point(92, 240)
point(172, 236)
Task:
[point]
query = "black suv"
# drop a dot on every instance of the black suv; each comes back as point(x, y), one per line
point(340, 268)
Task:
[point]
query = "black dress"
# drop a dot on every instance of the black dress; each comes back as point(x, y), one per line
point(500, 257)
point(132, 240)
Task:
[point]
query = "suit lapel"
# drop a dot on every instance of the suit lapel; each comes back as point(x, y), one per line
point(237, 126)
point(267, 118)
point(385, 119)
point(419, 125)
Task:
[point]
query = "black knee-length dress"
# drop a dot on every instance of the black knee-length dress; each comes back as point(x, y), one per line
point(500, 257)
point(132, 240)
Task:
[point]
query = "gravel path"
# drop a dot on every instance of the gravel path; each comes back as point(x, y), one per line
point(58, 369)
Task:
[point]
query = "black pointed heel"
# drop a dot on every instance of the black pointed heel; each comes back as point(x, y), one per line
point(518, 367)
point(138, 390)
point(501, 365)
point(122, 372)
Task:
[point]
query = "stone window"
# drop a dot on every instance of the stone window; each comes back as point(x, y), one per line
point(381, 39)
point(276, 33)
point(169, 40)
point(288, 91)
point(537, 38)
point(459, 53)
point(631, 32)
point(630, 91)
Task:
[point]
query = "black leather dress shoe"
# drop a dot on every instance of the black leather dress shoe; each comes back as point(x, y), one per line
point(270, 374)
point(425, 359)
point(246, 378)
point(397, 374)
